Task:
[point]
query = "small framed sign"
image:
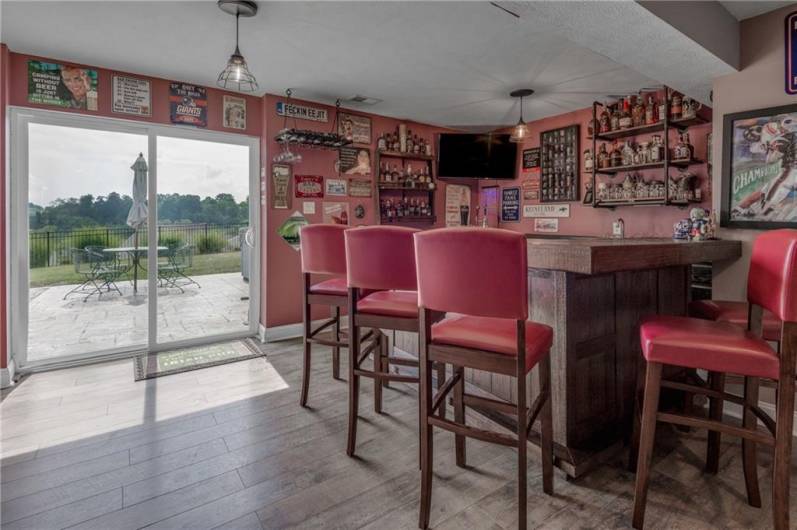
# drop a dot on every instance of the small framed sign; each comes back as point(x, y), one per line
point(359, 187)
point(546, 225)
point(301, 112)
point(546, 210)
point(131, 96)
point(335, 187)
point(531, 158)
point(309, 186)
point(280, 186)
point(791, 53)
point(510, 204)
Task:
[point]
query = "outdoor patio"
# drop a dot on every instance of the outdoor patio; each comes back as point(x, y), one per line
point(61, 327)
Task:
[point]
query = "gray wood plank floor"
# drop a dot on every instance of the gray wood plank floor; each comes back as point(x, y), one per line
point(229, 447)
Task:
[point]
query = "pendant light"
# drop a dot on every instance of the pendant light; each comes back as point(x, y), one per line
point(236, 75)
point(521, 130)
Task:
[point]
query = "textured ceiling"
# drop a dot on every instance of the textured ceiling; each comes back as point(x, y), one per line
point(747, 9)
point(447, 63)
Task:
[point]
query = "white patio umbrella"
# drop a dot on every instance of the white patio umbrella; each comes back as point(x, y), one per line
point(137, 215)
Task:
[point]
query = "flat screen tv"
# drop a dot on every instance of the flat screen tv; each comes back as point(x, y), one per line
point(479, 156)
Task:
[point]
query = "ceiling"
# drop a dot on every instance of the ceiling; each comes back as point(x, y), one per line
point(748, 9)
point(446, 63)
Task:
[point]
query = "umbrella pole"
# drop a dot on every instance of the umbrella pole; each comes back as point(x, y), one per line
point(135, 263)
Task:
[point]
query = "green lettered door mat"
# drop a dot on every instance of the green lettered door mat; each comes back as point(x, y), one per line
point(187, 359)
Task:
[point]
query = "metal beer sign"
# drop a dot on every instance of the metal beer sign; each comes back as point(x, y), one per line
point(791, 53)
point(301, 112)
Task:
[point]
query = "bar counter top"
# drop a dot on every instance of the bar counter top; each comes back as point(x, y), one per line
point(594, 255)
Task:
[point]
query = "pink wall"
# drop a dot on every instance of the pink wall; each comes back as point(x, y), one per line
point(281, 268)
point(640, 221)
point(760, 84)
point(160, 98)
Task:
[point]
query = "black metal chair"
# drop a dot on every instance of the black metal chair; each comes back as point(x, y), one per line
point(172, 269)
point(96, 274)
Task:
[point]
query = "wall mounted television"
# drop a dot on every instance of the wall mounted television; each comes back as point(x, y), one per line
point(478, 156)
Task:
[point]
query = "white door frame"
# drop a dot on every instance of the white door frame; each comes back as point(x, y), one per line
point(17, 229)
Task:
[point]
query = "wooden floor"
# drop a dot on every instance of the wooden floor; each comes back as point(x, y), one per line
point(229, 447)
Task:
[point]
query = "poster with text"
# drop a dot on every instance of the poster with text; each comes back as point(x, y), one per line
point(546, 225)
point(354, 161)
point(355, 128)
point(336, 213)
point(234, 116)
point(760, 186)
point(457, 204)
point(62, 85)
point(188, 104)
point(531, 188)
point(360, 187)
point(280, 186)
point(132, 96)
point(510, 204)
point(309, 186)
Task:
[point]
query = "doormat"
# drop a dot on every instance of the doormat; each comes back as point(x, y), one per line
point(187, 359)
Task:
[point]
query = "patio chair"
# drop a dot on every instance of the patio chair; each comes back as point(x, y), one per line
point(172, 271)
point(95, 277)
point(109, 268)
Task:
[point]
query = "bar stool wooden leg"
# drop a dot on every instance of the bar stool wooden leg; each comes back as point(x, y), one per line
point(336, 349)
point(781, 475)
point(749, 459)
point(459, 414)
point(647, 434)
point(354, 380)
point(546, 425)
point(716, 381)
point(522, 415)
point(308, 321)
point(384, 350)
point(441, 378)
point(426, 438)
point(633, 452)
point(379, 366)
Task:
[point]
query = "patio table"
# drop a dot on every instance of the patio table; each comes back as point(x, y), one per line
point(135, 253)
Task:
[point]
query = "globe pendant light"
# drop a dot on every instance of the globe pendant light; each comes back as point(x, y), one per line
point(236, 75)
point(521, 130)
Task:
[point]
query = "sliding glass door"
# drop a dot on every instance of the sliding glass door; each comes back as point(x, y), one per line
point(128, 237)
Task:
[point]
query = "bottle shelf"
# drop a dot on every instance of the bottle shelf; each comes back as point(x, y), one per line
point(613, 203)
point(391, 186)
point(683, 123)
point(410, 219)
point(631, 131)
point(686, 162)
point(652, 165)
point(411, 156)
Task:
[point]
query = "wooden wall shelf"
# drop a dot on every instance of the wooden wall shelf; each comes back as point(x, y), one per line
point(410, 156)
point(405, 191)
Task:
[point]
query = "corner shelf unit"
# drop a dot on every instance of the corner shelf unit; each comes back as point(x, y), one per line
point(402, 191)
point(664, 127)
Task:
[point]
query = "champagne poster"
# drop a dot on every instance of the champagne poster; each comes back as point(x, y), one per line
point(188, 104)
point(62, 85)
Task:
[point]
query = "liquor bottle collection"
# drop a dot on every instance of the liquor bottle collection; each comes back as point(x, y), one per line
point(405, 177)
point(403, 141)
point(641, 110)
point(630, 153)
point(398, 208)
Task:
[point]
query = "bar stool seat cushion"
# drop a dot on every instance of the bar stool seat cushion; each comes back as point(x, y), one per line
point(403, 304)
point(703, 344)
point(336, 287)
point(498, 335)
point(735, 313)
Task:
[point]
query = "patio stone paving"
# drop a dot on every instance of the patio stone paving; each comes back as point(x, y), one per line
point(61, 327)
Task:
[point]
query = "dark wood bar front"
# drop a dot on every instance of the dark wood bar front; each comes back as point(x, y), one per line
point(593, 292)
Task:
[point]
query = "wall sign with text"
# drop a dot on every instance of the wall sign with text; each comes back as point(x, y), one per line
point(188, 104)
point(546, 210)
point(531, 158)
point(301, 112)
point(132, 96)
point(309, 186)
point(510, 204)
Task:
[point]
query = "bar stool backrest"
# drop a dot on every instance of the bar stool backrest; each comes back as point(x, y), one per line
point(323, 249)
point(474, 271)
point(772, 280)
point(381, 258)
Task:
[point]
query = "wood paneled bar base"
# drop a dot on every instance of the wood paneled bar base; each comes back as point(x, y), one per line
point(593, 293)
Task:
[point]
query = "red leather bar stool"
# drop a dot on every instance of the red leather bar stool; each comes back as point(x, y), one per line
point(735, 313)
point(323, 251)
point(721, 347)
point(473, 298)
point(381, 259)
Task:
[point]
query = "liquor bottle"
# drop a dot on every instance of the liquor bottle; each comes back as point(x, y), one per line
point(650, 112)
point(588, 161)
point(381, 143)
point(604, 120)
point(396, 145)
point(615, 120)
point(663, 108)
point(603, 157)
point(676, 109)
point(428, 146)
point(616, 156)
point(402, 137)
point(625, 116)
point(638, 112)
point(416, 145)
point(410, 142)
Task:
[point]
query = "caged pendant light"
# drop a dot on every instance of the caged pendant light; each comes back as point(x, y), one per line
point(521, 130)
point(236, 75)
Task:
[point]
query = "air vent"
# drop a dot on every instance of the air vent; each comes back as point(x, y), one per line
point(363, 100)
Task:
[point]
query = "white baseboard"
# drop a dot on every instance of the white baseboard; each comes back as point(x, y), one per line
point(7, 374)
point(290, 331)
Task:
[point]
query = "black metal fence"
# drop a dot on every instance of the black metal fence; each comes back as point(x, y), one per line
point(50, 248)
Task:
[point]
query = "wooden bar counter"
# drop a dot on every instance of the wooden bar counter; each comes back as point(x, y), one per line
point(592, 292)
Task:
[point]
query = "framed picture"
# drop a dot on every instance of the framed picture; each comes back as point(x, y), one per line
point(759, 177)
point(355, 128)
point(359, 187)
point(531, 158)
point(280, 186)
point(510, 204)
point(234, 116)
point(309, 186)
point(62, 85)
point(335, 187)
point(188, 104)
point(336, 213)
point(131, 96)
point(354, 161)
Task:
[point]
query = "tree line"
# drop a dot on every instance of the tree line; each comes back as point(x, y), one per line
point(89, 211)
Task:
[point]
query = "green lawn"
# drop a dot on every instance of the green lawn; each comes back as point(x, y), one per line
point(203, 264)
